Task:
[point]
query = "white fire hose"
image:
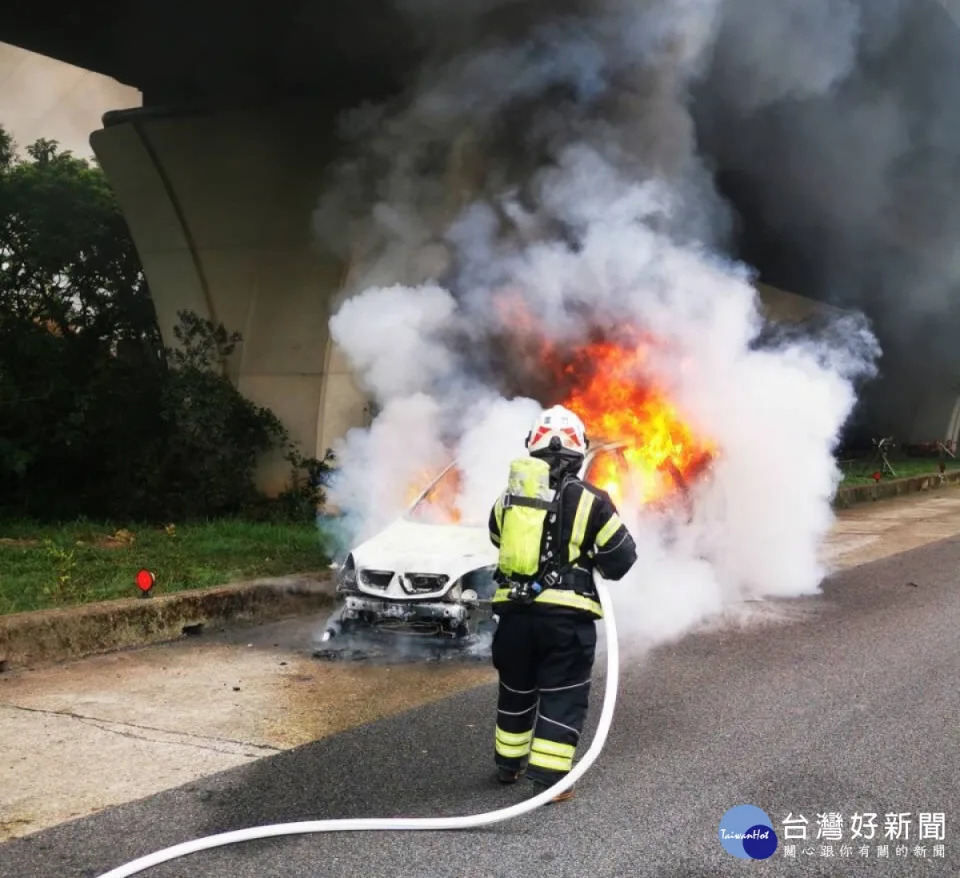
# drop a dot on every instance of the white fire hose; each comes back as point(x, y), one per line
point(377, 824)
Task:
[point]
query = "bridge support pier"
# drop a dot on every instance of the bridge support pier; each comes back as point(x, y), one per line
point(220, 210)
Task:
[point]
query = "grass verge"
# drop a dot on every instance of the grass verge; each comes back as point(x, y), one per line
point(861, 472)
point(44, 565)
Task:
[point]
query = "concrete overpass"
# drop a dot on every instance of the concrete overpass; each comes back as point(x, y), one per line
point(206, 53)
point(219, 172)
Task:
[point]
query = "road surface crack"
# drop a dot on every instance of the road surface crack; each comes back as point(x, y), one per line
point(140, 732)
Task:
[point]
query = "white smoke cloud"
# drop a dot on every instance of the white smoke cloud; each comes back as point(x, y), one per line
point(383, 463)
point(493, 435)
point(600, 238)
point(394, 338)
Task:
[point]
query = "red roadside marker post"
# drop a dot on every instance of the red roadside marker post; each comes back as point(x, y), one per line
point(145, 582)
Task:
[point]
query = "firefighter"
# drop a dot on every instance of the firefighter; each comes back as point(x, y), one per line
point(553, 530)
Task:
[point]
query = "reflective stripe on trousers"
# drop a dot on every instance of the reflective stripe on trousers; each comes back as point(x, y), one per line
point(513, 745)
point(516, 715)
point(552, 755)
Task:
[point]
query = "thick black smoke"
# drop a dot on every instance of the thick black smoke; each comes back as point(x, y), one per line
point(835, 129)
point(831, 129)
point(505, 90)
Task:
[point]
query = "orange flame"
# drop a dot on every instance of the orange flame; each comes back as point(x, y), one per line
point(613, 393)
point(440, 505)
point(610, 382)
point(650, 451)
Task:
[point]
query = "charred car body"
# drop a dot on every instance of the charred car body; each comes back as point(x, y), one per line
point(426, 577)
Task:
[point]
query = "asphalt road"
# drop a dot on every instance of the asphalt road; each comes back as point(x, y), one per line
point(851, 705)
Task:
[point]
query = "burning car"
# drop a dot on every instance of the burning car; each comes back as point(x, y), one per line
point(428, 576)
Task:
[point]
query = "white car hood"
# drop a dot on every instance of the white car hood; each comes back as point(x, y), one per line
point(413, 547)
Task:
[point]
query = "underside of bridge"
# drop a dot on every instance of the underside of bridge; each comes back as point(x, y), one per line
point(205, 53)
point(220, 171)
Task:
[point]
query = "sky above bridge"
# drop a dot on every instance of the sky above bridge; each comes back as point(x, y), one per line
point(42, 97)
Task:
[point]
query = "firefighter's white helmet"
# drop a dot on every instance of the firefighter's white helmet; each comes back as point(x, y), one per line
point(558, 430)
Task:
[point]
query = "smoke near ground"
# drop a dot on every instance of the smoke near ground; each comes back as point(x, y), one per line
point(546, 183)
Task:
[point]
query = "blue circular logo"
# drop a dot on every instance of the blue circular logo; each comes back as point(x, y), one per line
point(747, 833)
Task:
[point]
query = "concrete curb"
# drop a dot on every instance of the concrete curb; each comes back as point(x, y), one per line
point(49, 636)
point(851, 496)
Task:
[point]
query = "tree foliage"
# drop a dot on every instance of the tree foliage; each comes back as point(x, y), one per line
point(97, 417)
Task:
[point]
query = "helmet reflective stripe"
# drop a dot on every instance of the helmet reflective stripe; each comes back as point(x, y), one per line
point(540, 433)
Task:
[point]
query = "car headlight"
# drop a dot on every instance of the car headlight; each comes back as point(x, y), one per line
point(423, 583)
